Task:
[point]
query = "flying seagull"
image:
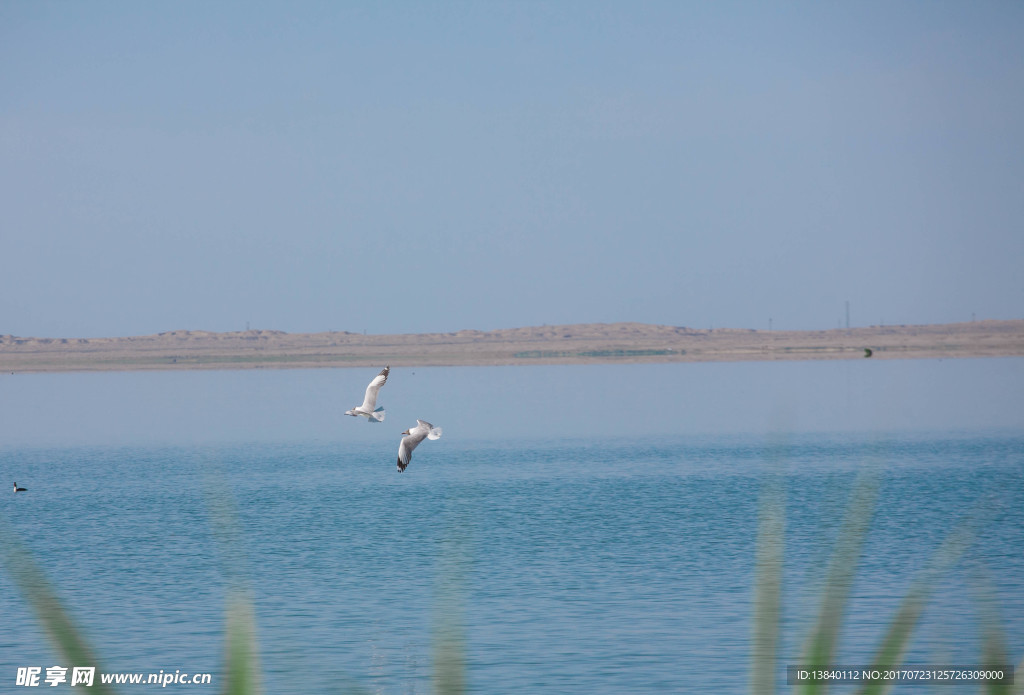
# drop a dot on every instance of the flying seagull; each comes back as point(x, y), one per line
point(413, 436)
point(23, 489)
point(369, 408)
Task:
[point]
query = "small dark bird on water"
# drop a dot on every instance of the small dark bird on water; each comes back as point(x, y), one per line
point(20, 489)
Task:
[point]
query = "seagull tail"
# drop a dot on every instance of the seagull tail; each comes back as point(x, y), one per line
point(434, 433)
point(377, 415)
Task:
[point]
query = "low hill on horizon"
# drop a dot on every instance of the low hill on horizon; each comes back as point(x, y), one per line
point(557, 344)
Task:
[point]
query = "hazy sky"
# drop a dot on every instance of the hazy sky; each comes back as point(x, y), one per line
point(408, 167)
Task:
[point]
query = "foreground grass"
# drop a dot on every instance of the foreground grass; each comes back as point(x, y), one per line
point(242, 672)
point(820, 648)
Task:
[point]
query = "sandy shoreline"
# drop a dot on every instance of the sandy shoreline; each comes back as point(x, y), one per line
point(570, 344)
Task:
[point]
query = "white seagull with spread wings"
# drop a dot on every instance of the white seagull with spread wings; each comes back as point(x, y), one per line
point(413, 436)
point(369, 408)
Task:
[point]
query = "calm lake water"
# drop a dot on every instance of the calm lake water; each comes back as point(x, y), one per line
point(616, 556)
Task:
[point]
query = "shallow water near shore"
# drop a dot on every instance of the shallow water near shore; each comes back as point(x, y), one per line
point(614, 562)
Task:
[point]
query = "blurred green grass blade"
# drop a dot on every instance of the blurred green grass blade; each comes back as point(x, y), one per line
point(768, 589)
point(893, 646)
point(241, 653)
point(242, 666)
point(225, 526)
point(241, 671)
point(821, 644)
point(994, 652)
point(449, 642)
point(1018, 679)
point(449, 660)
point(50, 614)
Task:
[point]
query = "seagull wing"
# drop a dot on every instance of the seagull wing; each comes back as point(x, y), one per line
point(370, 400)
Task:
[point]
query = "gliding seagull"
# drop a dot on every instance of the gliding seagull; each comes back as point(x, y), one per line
point(368, 409)
point(413, 436)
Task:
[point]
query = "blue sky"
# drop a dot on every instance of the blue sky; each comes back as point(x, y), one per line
point(409, 167)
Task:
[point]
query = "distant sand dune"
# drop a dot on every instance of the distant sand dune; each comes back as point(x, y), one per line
point(591, 343)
